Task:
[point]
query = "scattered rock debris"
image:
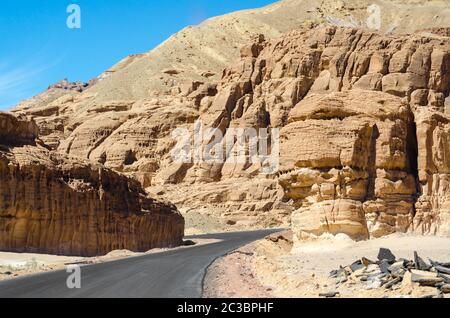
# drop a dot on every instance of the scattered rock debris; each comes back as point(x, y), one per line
point(388, 272)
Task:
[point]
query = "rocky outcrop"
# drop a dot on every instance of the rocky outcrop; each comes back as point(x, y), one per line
point(432, 207)
point(347, 102)
point(352, 106)
point(54, 204)
point(17, 132)
point(69, 86)
point(347, 162)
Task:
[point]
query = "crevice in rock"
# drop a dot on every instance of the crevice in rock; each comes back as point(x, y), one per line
point(372, 170)
point(130, 158)
point(413, 151)
point(101, 140)
point(413, 155)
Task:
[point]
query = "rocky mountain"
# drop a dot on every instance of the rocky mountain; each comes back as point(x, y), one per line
point(50, 203)
point(363, 120)
point(200, 53)
point(362, 115)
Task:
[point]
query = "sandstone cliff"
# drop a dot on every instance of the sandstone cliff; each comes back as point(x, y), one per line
point(57, 205)
point(363, 116)
point(199, 54)
point(363, 143)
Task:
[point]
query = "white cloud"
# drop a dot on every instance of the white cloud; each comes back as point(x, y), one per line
point(19, 83)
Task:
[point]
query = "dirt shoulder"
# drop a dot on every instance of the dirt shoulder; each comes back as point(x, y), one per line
point(274, 267)
point(232, 276)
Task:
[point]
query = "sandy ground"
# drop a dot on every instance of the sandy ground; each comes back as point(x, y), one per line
point(13, 265)
point(203, 221)
point(230, 277)
point(273, 268)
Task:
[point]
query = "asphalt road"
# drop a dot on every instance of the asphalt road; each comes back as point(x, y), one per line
point(173, 274)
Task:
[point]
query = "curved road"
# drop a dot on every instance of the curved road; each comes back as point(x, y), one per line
point(172, 274)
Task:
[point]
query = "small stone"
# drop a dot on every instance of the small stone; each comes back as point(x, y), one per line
point(392, 282)
point(359, 272)
point(384, 266)
point(366, 262)
point(357, 266)
point(386, 254)
point(429, 281)
point(446, 289)
point(348, 270)
point(339, 274)
point(334, 273)
point(439, 264)
point(341, 280)
point(445, 277)
point(189, 243)
point(171, 71)
point(373, 268)
point(425, 278)
point(442, 269)
point(331, 294)
point(397, 269)
point(420, 263)
point(373, 284)
point(364, 278)
point(421, 274)
point(428, 296)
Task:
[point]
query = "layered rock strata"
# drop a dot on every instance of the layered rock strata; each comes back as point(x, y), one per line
point(363, 143)
point(50, 203)
point(363, 120)
point(355, 173)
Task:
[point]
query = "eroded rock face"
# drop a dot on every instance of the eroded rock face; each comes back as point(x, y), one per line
point(432, 207)
point(354, 174)
point(353, 108)
point(17, 132)
point(53, 204)
point(346, 100)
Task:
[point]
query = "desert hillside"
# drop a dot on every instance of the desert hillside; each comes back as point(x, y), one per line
point(363, 115)
point(54, 204)
point(199, 53)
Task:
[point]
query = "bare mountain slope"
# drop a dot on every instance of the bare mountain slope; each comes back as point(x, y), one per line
point(201, 52)
point(124, 120)
point(197, 52)
point(50, 203)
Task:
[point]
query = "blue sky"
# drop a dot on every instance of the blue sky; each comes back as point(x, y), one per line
point(37, 48)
